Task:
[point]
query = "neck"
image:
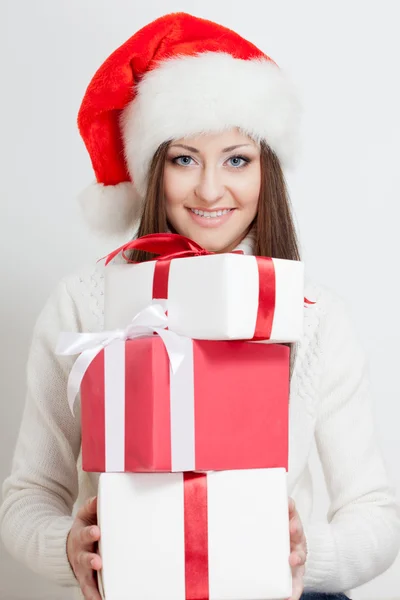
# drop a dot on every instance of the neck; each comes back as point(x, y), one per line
point(247, 244)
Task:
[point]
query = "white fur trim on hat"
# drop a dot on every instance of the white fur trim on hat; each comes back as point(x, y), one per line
point(209, 92)
point(111, 209)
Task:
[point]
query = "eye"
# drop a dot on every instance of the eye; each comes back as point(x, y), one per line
point(183, 161)
point(238, 161)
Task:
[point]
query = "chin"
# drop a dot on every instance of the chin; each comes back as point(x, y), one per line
point(212, 243)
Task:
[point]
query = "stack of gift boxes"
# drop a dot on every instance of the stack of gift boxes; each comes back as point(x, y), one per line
point(184, 411)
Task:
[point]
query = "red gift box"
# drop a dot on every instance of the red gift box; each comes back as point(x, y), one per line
point(225, 408)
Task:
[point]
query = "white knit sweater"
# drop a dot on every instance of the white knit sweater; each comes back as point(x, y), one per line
point(329, 399)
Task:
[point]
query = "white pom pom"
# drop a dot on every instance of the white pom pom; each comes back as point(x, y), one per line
point(111, 209)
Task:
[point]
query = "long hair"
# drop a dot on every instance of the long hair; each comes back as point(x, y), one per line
point(273, 227)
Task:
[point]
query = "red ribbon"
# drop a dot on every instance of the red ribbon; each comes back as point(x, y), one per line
point(196, 536)
point(166, 245)
point(266, 298)
point(160, 279)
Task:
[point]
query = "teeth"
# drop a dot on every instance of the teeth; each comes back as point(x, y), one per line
point(210, 214)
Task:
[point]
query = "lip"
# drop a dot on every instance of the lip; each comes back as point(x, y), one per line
point(213, 210)
point(211, 222)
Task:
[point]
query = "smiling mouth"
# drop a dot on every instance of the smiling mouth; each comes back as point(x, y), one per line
point(211, 214)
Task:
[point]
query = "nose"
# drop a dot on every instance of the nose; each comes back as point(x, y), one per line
point(210, 187)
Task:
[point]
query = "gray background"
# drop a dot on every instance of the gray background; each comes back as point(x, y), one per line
point(344, 59)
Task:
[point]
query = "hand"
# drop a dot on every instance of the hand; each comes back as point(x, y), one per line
point(298, 551)
point(81, 545)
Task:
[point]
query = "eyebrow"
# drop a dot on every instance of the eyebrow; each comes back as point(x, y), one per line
point(196, 151)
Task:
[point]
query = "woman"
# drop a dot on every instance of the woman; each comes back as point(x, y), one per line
point(192, 125)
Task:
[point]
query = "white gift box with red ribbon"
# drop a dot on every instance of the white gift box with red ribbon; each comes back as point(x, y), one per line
point(214, 297)
point(220, 536)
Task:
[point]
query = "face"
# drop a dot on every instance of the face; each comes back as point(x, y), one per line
point(212, 185)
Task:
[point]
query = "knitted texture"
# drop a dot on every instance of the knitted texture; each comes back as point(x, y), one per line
point(330, 402)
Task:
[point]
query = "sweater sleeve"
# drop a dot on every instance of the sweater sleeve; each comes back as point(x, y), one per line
point(38, 496)
point(362, 536)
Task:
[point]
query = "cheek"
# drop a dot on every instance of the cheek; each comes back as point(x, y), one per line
point(176, 188)
point(248, 192)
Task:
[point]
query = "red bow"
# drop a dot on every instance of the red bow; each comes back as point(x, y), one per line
point(165, 245)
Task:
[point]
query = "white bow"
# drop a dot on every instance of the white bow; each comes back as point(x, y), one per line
point(150, 320)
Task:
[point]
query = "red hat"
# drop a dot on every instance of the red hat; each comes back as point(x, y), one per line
point(176, 77)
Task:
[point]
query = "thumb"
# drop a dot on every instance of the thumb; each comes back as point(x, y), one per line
point(88, 512)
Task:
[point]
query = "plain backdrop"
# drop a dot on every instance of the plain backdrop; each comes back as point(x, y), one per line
point(343, 56)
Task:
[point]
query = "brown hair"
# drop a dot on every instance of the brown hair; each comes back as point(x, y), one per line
point(273, 227)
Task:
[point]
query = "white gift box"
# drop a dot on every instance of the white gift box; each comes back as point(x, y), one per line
point(214, 297)
point(144, 550)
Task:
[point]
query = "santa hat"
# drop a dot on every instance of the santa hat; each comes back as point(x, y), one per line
point(178, 76)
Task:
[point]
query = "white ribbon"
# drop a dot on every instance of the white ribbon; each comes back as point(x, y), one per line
point(150, 320)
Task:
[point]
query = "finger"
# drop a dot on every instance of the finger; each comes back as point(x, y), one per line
point(96, 563)
point(84, 560)
point(302, 556)
point(294, 560)
point(296, 530)
point(298, 588)
point(297, 558)
point(298, 585)
point(89, 535)
point(301, 549)
point(90, 590)
point(88, 512)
